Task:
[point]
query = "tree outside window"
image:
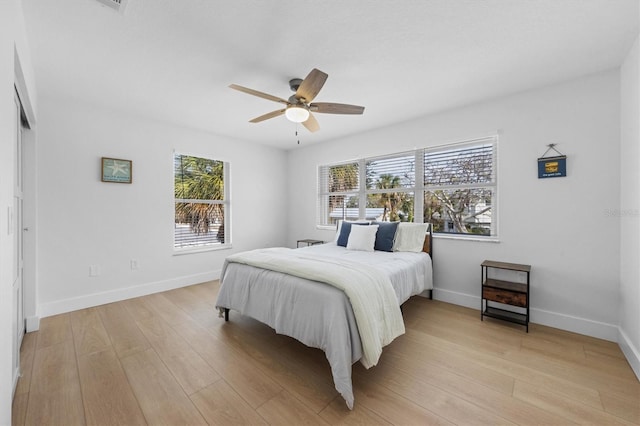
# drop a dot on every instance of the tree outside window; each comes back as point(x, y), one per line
point(459, 187)
point(338, 190)
point(390, 185)
point(200, 201)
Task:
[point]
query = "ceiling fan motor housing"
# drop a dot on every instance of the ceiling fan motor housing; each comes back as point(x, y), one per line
point(294, 83)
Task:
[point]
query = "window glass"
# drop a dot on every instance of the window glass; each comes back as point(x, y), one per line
point(459, 187)
point(459, 211)
point(338, 191)
point(200, 189)
point(390, 183)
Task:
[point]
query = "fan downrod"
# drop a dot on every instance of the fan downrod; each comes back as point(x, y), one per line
point(294, 83)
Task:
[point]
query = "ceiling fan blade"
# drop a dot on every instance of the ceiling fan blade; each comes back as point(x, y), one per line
point(311, 124)
point(311, 85)
point(268, 115)
point(333, 108)
point(259, 94)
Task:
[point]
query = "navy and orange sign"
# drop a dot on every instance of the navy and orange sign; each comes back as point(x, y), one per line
point(549, 167)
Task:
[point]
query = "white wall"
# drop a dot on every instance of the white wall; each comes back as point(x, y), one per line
point(563, 227)
point(83, 221)
point(630, 208)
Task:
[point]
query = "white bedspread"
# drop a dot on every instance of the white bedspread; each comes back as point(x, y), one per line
point(373, 299)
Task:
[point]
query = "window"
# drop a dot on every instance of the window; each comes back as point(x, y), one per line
point(456, 192)
point(338, 189)
point(201, 202)
point(460, 188)
point(391, 187)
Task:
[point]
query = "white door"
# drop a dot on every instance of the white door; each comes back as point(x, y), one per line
point(16, 229)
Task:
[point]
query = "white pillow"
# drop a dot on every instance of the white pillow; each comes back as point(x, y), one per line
point(410, 237)
point(362, 238)
point(339, 227)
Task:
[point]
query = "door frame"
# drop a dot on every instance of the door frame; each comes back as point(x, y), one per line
point(30, 167)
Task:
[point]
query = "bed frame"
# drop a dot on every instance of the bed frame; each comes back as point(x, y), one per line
point(427, 247)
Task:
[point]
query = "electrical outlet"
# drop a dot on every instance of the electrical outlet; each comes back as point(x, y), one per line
point(134, 264)
point(94, 270)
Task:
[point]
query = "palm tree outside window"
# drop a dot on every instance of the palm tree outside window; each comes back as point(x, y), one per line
point(201, 202)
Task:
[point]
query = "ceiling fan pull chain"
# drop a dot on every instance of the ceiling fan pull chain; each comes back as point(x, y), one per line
point(297, 133)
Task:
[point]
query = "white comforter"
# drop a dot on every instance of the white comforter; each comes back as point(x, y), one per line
point(374, 302)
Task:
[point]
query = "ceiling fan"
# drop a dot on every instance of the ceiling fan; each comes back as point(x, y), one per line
point(298, 107)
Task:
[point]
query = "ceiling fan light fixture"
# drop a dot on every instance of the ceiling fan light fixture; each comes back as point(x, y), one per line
point(297, 114)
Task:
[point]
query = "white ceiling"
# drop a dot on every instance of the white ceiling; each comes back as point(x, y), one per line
point(172, 60)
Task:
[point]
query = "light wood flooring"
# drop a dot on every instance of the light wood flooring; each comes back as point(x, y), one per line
point(168, 359)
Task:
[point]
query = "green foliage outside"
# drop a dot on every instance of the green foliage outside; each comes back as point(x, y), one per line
point(199, 179)
point(461, 208)
point(398, 206)
point(343, 178)
point(454, 210)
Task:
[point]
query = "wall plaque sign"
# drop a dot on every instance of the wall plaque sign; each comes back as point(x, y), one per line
point(550, 167)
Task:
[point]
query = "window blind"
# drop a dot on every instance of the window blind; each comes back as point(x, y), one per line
point(468, 165)
point(391, 172)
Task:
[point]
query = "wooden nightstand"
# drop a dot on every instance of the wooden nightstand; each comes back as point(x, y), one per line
point(505, 292)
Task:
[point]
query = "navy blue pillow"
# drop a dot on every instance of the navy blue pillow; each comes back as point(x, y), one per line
point(345, 230)
point(385, 235)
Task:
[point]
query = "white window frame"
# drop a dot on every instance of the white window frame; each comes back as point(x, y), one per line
point(226, 203)
point(323, 213)
point(418, 189)
point(493, 185)
point(411, 188)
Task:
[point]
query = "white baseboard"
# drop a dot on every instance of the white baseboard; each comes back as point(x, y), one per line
point(538, 316)
point(96, 299)
point(630, 351)
point(578, 325)
point(32, 324)
point(16, 376)
point(461, 299)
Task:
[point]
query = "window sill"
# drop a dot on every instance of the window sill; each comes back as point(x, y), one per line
point(180, 252)
point(466, 238)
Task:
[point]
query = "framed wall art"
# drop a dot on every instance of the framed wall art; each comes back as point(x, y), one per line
point(116, 170)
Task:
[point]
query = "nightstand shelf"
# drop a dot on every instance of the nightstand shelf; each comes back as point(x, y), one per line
point(505, 315)
point(505, 292)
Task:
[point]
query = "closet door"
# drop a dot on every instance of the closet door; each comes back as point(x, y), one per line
point(17, 230)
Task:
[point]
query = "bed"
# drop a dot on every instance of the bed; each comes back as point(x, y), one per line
point(343, 297)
